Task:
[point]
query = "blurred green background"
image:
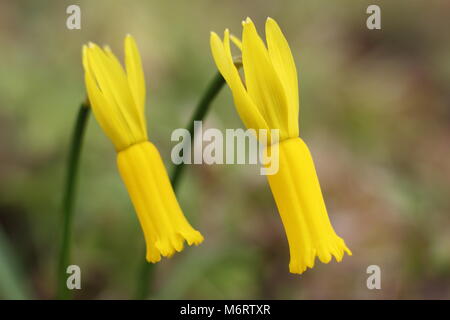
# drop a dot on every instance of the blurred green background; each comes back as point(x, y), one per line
point(375, 112)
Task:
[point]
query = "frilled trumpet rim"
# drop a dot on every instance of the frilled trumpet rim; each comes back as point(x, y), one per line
point(297, 194)
point(163, 223)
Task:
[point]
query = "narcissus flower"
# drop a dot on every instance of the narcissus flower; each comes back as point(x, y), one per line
point(117, 98)
point(268, 99)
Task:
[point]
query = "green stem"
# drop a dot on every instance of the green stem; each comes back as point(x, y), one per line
point(200, 112)
point(69, 196)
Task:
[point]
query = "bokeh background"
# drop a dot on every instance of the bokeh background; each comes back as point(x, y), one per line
point(375, 111)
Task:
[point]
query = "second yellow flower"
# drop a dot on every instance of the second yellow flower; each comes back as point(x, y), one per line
point(117, 98)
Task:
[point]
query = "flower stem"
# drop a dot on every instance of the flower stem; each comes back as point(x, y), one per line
point(201, 110)
point(69, 196)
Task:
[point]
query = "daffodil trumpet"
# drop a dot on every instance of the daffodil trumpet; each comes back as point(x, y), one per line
point(117, 98)
point(267, 98)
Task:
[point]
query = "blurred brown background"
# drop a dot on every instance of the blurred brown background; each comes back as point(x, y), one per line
point(375, 112)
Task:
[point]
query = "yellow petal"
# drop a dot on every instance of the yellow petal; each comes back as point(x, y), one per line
point(263, 84)
point(84, 57)
point(110, 77)
point(236, 41)
point(125, 89)
point(102, 75)
point(245, 107)
point(135, 74)
point(109, 121)
point(283, 63)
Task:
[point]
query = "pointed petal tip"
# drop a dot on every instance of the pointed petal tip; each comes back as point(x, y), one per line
point(213, 35)
point(129, 39)
point(84, 56)
point(248, 24)
point(270, 22)
point(247, 21)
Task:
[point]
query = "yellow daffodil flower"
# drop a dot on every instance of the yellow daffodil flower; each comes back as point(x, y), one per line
point(117, 98)
point(268, 99)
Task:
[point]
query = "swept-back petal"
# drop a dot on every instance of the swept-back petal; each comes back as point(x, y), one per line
point(283, 62)
point(247, 110)
point(121, 80)
point(111, 122)
point(135, 74)
point(112, 82)
point(236, 41)
point(263, 84)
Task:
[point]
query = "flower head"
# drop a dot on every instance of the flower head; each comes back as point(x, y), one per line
point(117, 98)
point(267, 98)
